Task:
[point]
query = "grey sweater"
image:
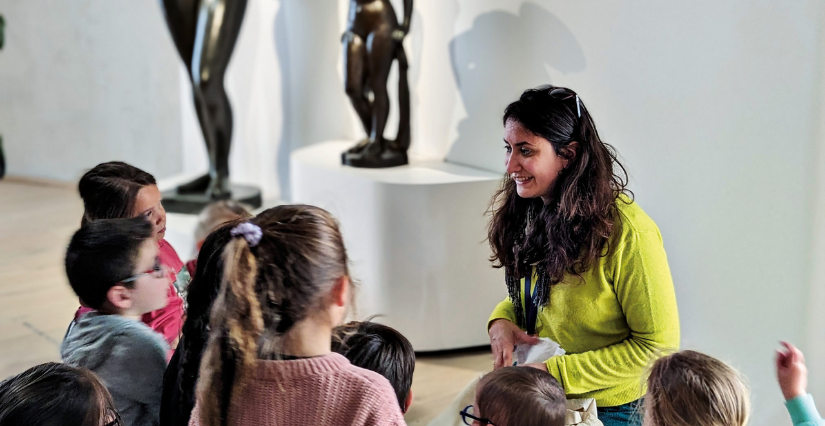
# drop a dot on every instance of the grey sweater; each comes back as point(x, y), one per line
point(128, 356)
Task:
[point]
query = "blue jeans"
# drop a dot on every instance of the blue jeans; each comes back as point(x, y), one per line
point(629, 414)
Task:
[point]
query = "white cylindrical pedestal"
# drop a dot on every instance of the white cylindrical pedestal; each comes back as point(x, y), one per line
point(416, 237)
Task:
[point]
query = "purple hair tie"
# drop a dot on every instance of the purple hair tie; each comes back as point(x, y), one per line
point(249, 231)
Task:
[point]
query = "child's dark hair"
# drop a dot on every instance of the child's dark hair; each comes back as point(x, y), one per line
point(203, 290)
point(521, 396)
point(103, 253)
point(379, 348)
point(266, 289)
point(55, 394)
point(109, 190)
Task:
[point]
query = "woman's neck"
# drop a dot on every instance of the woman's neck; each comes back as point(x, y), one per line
point(310, 337)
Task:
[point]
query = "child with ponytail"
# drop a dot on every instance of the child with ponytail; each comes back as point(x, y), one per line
point(269, 362)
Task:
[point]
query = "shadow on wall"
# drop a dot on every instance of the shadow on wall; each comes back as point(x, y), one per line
point(308, 45)
point(493, 62)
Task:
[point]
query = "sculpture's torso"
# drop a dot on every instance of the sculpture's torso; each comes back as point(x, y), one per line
point(371, 16)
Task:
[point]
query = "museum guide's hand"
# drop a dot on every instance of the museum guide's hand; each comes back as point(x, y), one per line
point(791, 371)
point(504, 336)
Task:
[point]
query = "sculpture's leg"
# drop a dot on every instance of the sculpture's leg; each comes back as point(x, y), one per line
point(380, 54)
point(355, 77)
point(219, 23)
point(403, 138)
point(181, 18)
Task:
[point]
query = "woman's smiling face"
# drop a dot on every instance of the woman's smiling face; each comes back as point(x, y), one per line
point(531, 161)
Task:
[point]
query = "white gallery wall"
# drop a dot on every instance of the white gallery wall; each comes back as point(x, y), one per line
point(82, 82)
point(714, 107)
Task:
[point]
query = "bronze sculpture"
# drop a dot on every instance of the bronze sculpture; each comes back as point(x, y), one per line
point(205, 32)
point(372, 41)
point(2, 156)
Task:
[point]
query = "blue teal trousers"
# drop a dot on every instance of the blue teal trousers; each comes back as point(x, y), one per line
point(629, 414)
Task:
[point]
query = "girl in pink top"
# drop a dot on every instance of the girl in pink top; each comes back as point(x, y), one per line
point(269, 361)
point(117, 190)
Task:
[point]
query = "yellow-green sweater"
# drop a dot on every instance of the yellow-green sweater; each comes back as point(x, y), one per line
point(614, 321)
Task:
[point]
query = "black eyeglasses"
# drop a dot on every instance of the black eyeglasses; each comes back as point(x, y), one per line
point(156, 271)
point(467, 417)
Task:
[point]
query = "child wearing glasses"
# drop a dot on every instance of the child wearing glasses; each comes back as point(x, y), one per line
point(382, 349)
point(55, 394)
point(517, 396)
point(113, 266)
point(269, 361)
point(116, 190)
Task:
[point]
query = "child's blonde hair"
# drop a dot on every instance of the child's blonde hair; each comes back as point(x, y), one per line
point(689, 388)
point(214, 215)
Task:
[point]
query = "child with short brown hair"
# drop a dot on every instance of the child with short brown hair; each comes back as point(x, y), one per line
point(517, 396)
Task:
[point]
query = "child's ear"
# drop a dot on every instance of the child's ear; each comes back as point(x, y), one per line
point(340, 291)
point(120, 297)
point(408, 401)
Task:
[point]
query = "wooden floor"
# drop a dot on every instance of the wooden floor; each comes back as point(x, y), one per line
point(36, 302)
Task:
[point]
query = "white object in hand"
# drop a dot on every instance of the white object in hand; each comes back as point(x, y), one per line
point(540, 352)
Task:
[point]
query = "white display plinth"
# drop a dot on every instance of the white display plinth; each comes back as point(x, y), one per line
point(416, 238)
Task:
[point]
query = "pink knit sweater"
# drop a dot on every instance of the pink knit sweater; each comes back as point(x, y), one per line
point(318, 391)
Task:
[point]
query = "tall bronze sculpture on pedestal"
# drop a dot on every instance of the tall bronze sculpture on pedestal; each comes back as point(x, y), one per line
point(372, 41)
point(204, 32)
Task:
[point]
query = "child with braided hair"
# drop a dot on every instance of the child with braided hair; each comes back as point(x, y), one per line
point(269, 362)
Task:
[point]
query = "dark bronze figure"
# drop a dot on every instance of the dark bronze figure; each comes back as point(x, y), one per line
point(204, 32)
point(372, 41)
point(2, 156)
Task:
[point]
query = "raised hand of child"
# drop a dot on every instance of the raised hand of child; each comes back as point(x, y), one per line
point(791, 371)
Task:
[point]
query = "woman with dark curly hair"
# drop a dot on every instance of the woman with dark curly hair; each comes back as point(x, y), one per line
point(584, 265)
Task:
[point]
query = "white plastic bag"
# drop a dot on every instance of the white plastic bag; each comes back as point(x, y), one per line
point(540, 352)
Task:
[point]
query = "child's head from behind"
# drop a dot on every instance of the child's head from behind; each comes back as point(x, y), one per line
point(116, 190)
point(201, 295)
point(379, 348)
point(112, 266)
point(689, 388)
point(216, 215)
point(520, 396)
point(285, 269)
point(55, 394)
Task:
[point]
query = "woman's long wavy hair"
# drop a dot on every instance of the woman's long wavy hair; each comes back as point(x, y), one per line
point(201, 295)
point(571, 231)
point(266, 290)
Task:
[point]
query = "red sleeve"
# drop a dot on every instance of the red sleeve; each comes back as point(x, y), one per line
point(168, 321)
point(169, 257)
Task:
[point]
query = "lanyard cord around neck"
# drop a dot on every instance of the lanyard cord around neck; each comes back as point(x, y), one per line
point(531, 308)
